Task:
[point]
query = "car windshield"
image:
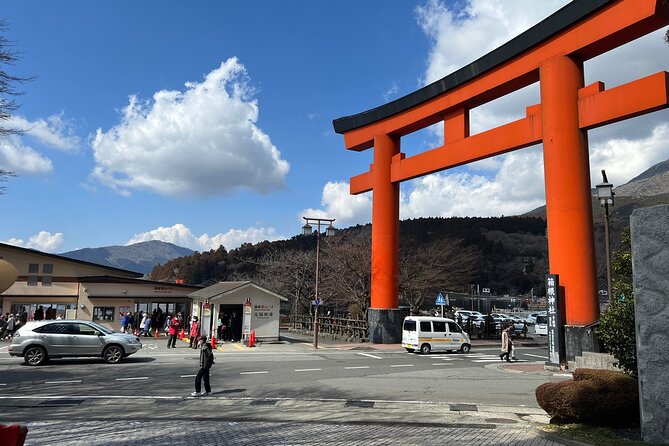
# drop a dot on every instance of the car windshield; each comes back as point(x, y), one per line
point(410, 325)
point(542, 319)
point(101, 328)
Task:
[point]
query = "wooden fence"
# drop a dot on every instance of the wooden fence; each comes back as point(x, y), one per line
point(342, 329)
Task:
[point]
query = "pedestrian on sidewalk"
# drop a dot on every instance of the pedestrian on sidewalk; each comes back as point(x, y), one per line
point(507, 343)
point(206, 361)
point(194, 333)
point(172, 331)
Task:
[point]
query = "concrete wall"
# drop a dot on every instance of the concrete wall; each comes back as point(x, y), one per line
point(650, 262)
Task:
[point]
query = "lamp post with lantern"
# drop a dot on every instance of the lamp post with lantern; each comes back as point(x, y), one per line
point(307, 229)
point(605, 194)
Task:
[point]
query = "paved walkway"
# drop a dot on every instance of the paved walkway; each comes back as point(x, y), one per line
point(213, 433)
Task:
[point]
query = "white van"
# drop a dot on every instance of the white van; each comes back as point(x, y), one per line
point(541, 326)
point(425, 333)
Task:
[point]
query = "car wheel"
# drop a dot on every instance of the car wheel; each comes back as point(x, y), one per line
point(35, 356)
point(113, 354)
point(425, 349)
point(465, 348)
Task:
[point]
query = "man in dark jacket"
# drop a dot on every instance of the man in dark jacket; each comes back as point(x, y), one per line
point(206, 361)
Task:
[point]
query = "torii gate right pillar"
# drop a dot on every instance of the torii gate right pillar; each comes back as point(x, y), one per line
point(568, 199)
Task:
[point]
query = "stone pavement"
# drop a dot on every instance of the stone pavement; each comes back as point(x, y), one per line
point(213, 433)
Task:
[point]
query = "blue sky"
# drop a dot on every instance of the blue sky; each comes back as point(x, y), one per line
point(207, 123)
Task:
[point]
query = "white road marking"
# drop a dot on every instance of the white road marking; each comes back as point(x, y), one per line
point(307, 370)
point(443, 363)
point(402, 365)
point(369, 355)
point(187, 376)
point(358, 367)
point(2, 348)
point(486, 360)
point(253, 373)
point(536, 356)
point(566, 375)
point(63, 382)
point(3, 384)
point(132, 379)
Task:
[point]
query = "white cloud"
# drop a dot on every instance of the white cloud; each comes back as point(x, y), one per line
point(624, 159)
point(339, 204)
point(53, 132)
point(44, 241)
point(182, 236)
point(202, 141)
point(391, 92)
point(22, 159)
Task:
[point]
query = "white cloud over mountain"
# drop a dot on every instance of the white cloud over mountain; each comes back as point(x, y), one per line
point(202, 141)
point(43, 241)
point(183, 236)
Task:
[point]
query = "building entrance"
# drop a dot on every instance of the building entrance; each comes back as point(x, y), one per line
point(230, 322)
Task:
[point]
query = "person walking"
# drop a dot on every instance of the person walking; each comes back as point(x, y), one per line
point(10, 326)
point(507, 344)
point(39, 313)
point(194, 333)
point(206, 361)
point(172, 331)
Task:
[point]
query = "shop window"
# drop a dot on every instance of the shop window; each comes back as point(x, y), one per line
point(103, 314)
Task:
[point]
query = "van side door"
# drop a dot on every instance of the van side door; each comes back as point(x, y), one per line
point(441, 334)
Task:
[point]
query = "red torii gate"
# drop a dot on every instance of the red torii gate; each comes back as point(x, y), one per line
point(552, 52)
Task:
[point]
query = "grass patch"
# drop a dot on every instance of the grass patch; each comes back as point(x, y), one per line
point(596, 436)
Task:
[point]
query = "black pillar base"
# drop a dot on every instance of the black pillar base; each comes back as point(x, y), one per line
point(579, 339)
point(385, 326)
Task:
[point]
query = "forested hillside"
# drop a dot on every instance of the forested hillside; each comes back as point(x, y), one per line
point(506, 254)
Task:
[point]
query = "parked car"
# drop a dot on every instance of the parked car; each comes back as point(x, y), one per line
point(477, 318)
point(532, 317)
point(37, 342)
point(541, 327)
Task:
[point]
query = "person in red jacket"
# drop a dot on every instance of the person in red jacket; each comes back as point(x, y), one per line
point(194, 334)
point(172, 331)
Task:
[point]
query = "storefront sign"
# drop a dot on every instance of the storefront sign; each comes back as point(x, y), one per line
point(263, 311)
point(246, 323)
point(206, 309)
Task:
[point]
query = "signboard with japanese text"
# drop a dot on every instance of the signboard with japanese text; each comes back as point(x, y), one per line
point(246, 322)
point(263, 311)
point(555, 329)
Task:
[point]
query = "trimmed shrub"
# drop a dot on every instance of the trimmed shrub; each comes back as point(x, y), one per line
point(595, 397)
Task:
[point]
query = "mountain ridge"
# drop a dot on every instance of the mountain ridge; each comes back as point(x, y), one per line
point(140, 257)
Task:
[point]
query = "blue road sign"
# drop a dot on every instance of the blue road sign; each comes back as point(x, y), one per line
point(316, 302)
point(440, 300)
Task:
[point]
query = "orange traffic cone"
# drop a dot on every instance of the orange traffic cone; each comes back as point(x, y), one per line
point(252, 339)
point(157, 333)
point(181, 334)
point(213, 341)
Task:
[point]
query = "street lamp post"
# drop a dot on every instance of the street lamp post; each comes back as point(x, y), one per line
point(307, 230)
point(605, 194)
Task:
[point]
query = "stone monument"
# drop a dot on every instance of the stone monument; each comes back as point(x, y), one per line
point(650, 264)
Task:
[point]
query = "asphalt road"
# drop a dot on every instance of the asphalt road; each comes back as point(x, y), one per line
point(279, 394)
point(381, 375)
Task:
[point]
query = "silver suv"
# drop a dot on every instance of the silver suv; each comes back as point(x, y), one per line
point(39, 341)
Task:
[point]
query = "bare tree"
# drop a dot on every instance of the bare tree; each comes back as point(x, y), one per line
point(346, 273)
point(291, 273)
point(7, 104)
point(429, 268)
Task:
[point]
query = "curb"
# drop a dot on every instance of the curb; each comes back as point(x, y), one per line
point(558, 439)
